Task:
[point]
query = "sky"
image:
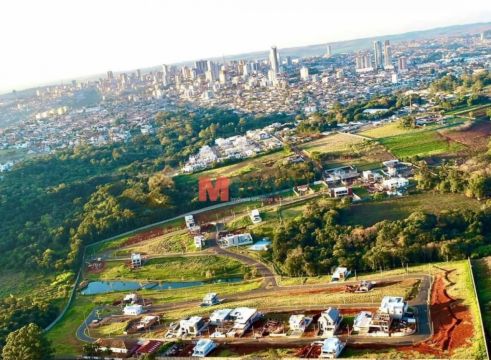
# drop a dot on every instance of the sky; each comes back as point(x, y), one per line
point(50, 40)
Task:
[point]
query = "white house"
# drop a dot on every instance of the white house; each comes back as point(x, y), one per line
point(341, 273)
point(189, 219)
point(133, 310)
point(299, 322)
point(210, 299)
point(218, 317)
point(341, 191)
point(395, 306)
point(199, 241)
point(130, 298)
point(204, 347)
point(329, 321)
point(243, 317)
point(192, 326)
point(255, 217)
point(136, 260)
point(332, 348)
point(236, 240)
point(362, 322)
point(395, 183)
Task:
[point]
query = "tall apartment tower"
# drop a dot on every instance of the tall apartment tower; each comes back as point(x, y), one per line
point(273, 60)
point(377, 50)
point(387, 55)
point(402, 62)
point(328, 50)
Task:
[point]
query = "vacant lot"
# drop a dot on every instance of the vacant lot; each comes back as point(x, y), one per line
point(474, 135)
point(179, 241)
point(335, 143)
point(387, 130)
point(369, 213)
point(176, 268)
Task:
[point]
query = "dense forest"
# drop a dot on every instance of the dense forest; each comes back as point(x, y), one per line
point(52, 206)
point(316, 242)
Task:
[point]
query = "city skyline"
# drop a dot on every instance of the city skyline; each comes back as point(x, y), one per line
point(63, 49)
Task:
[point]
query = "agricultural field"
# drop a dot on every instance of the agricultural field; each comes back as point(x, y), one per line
point(420, 143)
point(367, 214)
point(174, 268)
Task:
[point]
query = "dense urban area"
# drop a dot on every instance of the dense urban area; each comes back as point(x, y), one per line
point(358, 222)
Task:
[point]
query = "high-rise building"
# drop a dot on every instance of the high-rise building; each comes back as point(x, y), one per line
point(139, 74)
point(110, 75)
point(402, 63)
point(201, 66)
point(377, 50)
point(273, 60)
point(328, 50)
point(165, 75)
point(387, 55)
point(304, 73)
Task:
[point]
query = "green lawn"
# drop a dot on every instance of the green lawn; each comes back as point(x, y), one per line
point(369, 213)
point(176, 268)
point(482, 274)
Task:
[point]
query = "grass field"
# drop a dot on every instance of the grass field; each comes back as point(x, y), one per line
point(335, 143)
point(482, 274)
point(174, 269)
point(179, 241)
point(387, 130)
point(369, 213)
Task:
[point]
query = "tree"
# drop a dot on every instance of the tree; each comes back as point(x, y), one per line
point(27, 343)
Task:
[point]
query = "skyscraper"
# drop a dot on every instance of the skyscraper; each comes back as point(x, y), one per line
point(165, 75)
point(377, 50)
point(387, 55)
point(402, 62)
point(201, 66)
point(328, 50)
point(110, 75)
point(273, 60)
point(304, 73)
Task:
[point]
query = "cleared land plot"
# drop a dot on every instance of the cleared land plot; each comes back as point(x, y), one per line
point(305, 298)
point(454, 315)
point(179, 241)
point(391, 129)
point(345, 149)
point(396, 208)
point(174, 269)
point(474, 135)
point(335, 143)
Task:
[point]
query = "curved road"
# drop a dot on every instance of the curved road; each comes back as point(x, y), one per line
point(419, 303)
